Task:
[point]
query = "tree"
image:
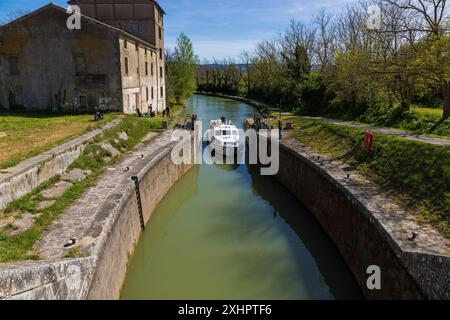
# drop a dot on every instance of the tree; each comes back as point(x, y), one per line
point(324, 46)
point(433, 66)
point(246, 70)
point(339, 61)
point(181, 69)
point(425, 24)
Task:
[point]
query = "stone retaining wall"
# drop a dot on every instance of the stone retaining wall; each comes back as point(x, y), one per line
point(113, 233)
point(155, 179)
point(22, 179)
point(67, 279)
point(353, 218)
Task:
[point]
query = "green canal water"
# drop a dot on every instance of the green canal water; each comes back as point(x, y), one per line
point(225, 232)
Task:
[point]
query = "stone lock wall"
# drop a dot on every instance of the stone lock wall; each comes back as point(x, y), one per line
point(115, 231)
point(361, 239)
point(156, 179)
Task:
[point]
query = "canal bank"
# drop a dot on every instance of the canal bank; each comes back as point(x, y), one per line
point(106, 226)
point(367, 226)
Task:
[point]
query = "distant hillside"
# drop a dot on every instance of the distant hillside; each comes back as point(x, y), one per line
point(220, 66)
point(242, 67)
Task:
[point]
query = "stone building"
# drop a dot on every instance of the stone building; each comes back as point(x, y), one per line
point(115, 60)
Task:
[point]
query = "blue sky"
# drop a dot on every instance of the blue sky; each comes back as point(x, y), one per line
point(219, 28)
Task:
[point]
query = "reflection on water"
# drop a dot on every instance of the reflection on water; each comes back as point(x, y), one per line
point(225, 232)
point(226, 167)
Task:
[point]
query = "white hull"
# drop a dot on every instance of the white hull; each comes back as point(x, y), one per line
point(223, 140)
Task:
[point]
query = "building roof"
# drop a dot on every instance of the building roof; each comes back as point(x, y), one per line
point(160, 8)
point(156, 3)
point(97, 22)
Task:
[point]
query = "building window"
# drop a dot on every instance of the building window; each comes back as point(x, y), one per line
point(146, 68)
point(161, 53)
point(152, 70)
point(126, 66)
point(137, 48)
point(125, 44)
point(146, 92)
point(161, 72)
point(162, 92)
point(160, 33)
point(145, 52)
point(153, 93)
point(14, 66)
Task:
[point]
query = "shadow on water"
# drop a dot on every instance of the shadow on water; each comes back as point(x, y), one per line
point(306, 227)
point(149, 240)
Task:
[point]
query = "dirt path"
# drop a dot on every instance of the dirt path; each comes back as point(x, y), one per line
point(392, 132)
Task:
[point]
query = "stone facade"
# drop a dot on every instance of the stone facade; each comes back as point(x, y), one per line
point(142, 84)
point(47, 66)
point(145, 20)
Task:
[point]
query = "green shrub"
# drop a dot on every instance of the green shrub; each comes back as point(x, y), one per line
point(422, 123)
point(315, 97)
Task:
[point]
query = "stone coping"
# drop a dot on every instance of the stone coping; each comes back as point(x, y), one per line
point(47, 280)
point(87, 219)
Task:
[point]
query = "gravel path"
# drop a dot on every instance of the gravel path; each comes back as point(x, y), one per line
point(392, 132)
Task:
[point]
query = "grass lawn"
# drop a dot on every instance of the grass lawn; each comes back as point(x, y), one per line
point(429, 112)
point(24, 135)
point(417, 173)
point(427, 121)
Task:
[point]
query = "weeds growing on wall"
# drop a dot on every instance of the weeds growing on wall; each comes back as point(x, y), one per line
point(94, 158)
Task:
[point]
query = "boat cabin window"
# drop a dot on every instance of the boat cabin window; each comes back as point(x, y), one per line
point(219, 133)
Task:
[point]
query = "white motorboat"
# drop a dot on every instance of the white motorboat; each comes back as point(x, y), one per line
point(224, 137)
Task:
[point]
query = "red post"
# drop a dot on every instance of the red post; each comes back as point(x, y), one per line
point(368, 141)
